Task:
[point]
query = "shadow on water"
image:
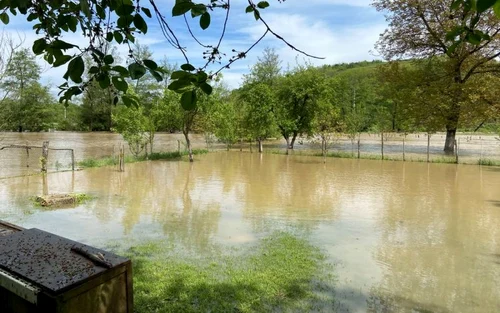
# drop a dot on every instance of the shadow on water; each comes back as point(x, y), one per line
point(491, 168)
point(378, 303)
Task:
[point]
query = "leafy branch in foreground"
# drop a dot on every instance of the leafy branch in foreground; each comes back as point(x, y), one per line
point(102, 22)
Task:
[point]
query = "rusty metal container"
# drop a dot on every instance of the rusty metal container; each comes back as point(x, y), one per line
point(42, 272)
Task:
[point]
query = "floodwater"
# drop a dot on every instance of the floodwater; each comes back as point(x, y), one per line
point(16, 162)
point(403, 237)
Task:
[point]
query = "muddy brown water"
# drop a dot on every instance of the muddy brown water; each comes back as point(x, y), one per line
point(404, 237)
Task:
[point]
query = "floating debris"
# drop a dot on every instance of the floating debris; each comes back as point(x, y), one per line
point(54, 200)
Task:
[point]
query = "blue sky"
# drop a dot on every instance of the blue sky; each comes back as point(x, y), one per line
point(338, 30)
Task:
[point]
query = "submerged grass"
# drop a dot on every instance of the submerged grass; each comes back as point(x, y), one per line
point(488, 162)
point(108, 161)
point(283, 273)
point(364, 156)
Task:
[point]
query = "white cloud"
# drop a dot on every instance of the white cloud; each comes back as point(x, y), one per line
point(339, 30)
point(346, 44)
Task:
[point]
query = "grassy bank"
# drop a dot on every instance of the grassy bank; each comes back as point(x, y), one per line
point(282, 273)
point(348, 155)
point(112, 160)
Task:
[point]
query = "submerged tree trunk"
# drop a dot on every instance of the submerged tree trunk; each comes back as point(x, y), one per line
point(382, 145)
point(453, 116)
point(359, 148)
point(404, 147)
point(428, 147)
point(449, 144)
point(260, 145)
point(188, 145)
point(323, 146)
point(151, 140)
point(293, 140)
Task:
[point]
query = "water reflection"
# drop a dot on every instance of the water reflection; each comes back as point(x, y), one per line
point(437, 238)
point(405, 237)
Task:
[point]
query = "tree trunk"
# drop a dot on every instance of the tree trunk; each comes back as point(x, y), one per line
point(359, 148)
point(287, 142)
point(404, 147)
point(428, 147)
point(293, 140)
point(260, 145)
point(382, 146)
point(323, 146)
point(188, 144)
point(151, 140)
point(449, 145)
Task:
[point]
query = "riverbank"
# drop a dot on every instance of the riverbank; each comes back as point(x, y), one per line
point(113, 160)
point(390, 157)
point(282, 273)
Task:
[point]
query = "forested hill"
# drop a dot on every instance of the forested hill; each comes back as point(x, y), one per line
point(346, 67)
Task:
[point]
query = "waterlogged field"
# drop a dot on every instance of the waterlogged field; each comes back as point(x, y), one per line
point(243, 232)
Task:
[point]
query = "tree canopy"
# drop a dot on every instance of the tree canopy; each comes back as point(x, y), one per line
point(120, 21)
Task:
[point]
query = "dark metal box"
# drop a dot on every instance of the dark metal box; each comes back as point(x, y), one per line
point(42, 272)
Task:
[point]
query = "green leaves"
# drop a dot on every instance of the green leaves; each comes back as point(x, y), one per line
point(181, 7)
point(483, 5)
point(206, 88)
point(205, 20)
point(62, 45)
point(125, 10)
point(262, 4)
point(120, 83)
point(120, 70)
point(140, 24)
point(136, 70)
point(129, 101)
point(187, 84)
point(496, 8)
point(39, 46)
point(61, 60)
point(4, 17)
point(150, 64)
point(108, 59)
point(147, 12)
point(84, 5)
point(187, 67)
point(75, 69)
point(188, 100)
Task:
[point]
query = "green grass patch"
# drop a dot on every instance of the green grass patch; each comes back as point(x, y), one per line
point(387, 157)
point(108, 161)
point(282, 273)
point(488, 162)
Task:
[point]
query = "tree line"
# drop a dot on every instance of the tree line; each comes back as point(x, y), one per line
point(273, 102)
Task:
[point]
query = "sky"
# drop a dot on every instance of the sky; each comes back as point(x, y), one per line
point(337, 30)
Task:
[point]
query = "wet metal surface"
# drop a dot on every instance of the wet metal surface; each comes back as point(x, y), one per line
point(7, 229)
point(47, 261)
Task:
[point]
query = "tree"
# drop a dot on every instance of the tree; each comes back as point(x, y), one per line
point(120, 22)
point(259, 100)
point(131, 123)
point(298, 94)
point(266, 70)
point(327, 120)
point(99, 97)
point(19, 84)
point(428, 28)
